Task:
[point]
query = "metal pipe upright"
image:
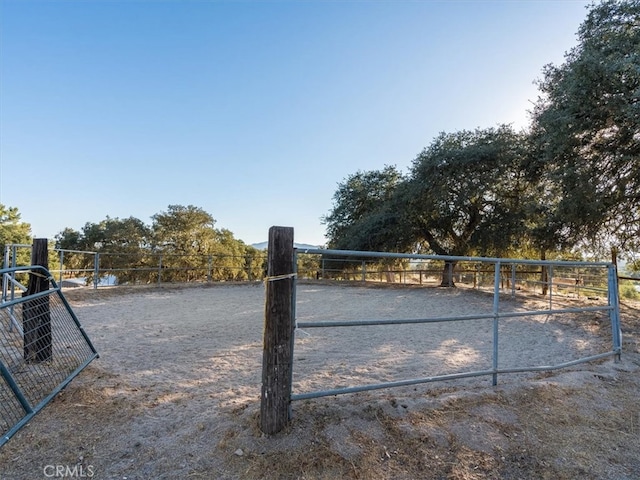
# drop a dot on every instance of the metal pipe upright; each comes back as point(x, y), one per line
point(292, 342)
point(614, 313)
point(550, 283)
point(61, 266)
point(96, 271)
point(496, 312)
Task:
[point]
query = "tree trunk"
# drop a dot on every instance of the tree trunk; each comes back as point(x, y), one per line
point(447, 273)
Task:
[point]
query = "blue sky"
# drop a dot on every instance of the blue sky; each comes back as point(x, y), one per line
point(251, 110)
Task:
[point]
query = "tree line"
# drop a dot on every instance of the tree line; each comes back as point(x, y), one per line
point(567, 186)
point(181, 244)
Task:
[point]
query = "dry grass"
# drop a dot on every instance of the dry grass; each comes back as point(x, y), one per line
point(564, 425)
point(538, 432)
point(541, 429)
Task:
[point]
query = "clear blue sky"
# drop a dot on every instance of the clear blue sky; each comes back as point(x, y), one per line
point(251, 110)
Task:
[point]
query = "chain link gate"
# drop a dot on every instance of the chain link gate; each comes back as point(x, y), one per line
point(42, 348)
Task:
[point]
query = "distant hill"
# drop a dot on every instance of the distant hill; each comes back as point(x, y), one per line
point(300, 246)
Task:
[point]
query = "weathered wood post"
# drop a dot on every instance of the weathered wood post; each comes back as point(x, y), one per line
point(277, 356)
point(36, 315)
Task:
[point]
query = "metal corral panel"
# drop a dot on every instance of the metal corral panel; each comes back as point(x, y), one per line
point(42, 348)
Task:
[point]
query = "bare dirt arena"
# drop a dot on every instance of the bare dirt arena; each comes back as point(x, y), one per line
point(175, 393)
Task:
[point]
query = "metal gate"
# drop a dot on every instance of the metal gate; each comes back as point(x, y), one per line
point(577, 278)
point(42, 348)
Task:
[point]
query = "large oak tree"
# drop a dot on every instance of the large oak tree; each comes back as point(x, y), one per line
point(587, 132)
point(468, 194)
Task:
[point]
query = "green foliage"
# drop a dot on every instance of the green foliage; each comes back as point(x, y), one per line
point(364, 216)
point(628, 291)
point(14, 231)
point(568, 187)
point(121, 243)
point(308, 265)
point(586, 130)
point(468, 194)
point(180, 245)
point(183, 230)
point(634, 266)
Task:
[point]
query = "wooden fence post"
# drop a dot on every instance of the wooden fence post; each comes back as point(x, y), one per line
point(277, 356)
point(36, 315)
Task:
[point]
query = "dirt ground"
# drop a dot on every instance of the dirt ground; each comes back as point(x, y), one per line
point(176, 391)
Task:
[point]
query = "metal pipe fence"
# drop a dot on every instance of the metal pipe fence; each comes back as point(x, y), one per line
point(553, 281)
point(98, 269)
point(562, 277)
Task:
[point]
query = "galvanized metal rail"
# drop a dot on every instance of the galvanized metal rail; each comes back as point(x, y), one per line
point(611, 309)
